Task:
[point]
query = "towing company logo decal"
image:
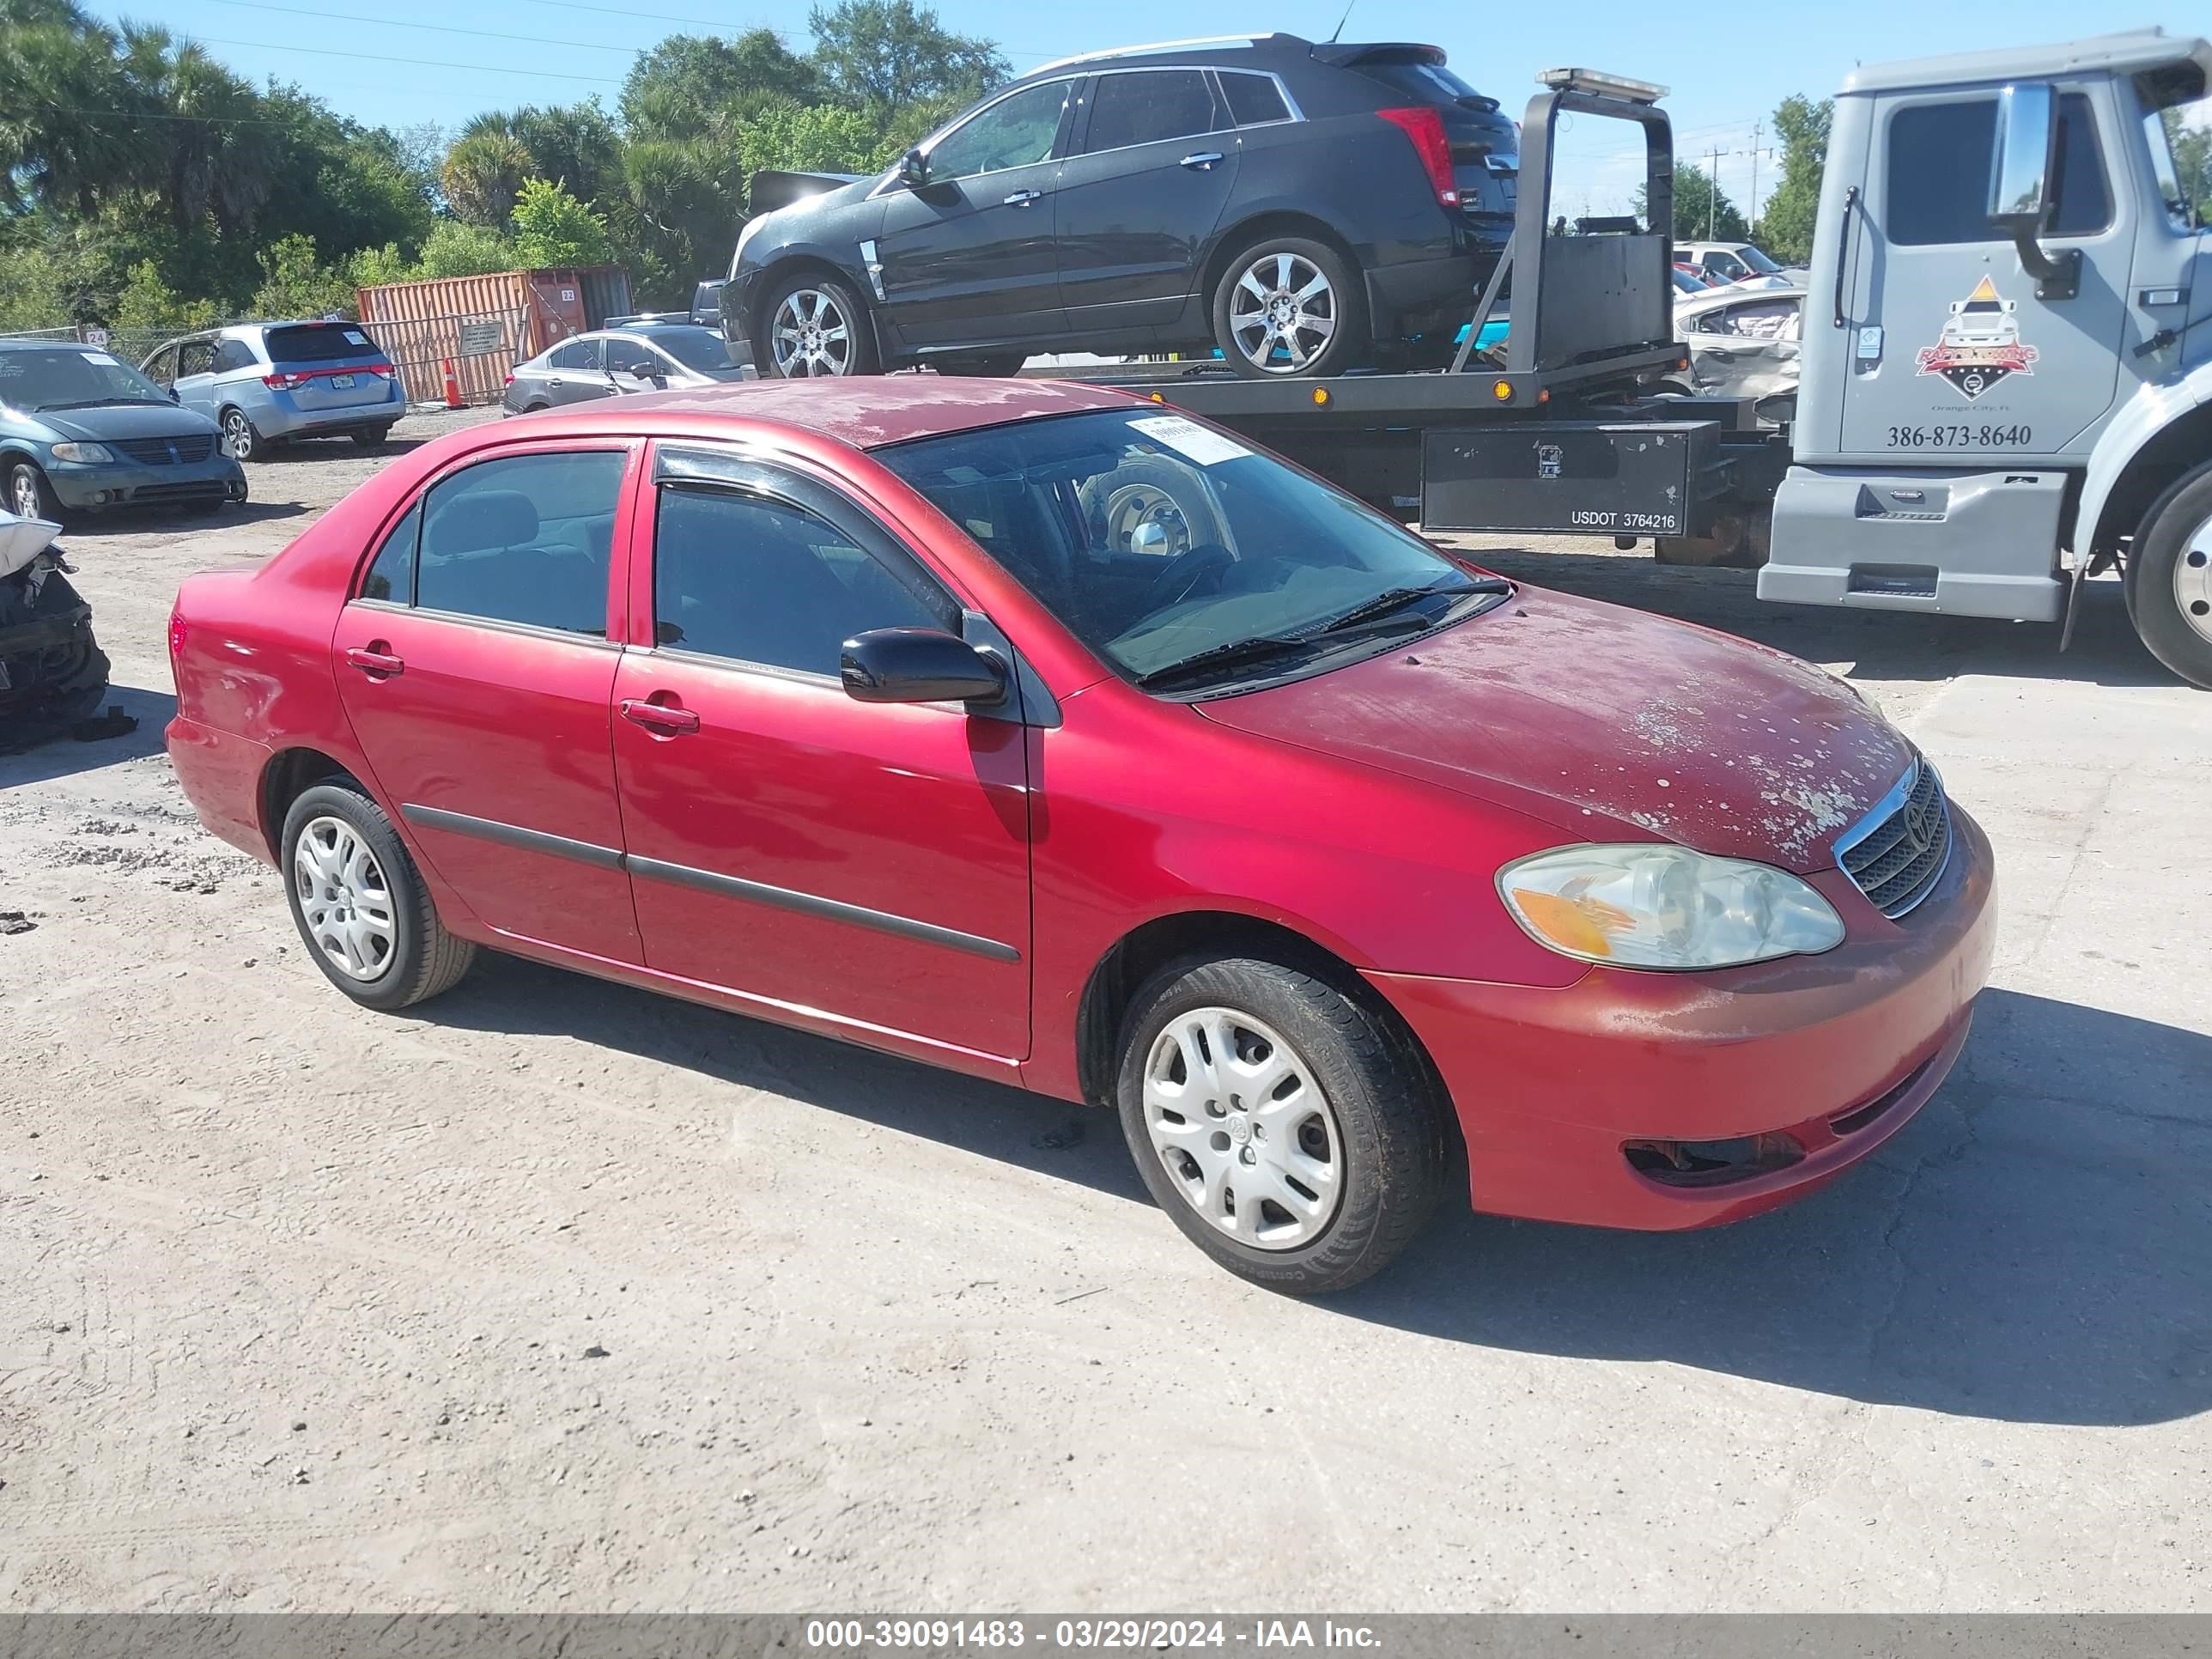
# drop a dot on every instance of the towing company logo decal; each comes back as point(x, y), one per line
point(1980, 343)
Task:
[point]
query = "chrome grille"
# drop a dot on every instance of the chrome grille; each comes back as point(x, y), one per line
point(1896, 853)
point(166, 451)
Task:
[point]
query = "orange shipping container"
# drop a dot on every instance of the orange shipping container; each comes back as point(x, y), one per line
point(486, 324)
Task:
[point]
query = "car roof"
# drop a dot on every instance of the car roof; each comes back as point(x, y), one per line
point(863, 411)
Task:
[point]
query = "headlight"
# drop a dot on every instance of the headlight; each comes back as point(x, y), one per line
point(83, 452)
point(1656, 906)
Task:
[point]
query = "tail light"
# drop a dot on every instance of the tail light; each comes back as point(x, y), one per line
point(1426, 127)
point(509, 380)
point(281, 381)
point(176, 638)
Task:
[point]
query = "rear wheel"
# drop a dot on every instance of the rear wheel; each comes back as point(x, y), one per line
point(816, 326)
point(374, 437)
point(29, 495)
point(239, 437)
point(1287, 306)
point(1289, 1130)
point(361, 904)
point(2169, 578)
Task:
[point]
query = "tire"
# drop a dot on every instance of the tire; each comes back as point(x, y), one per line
point(1148, 490)
point(373, 438)
point(29, 495)
point(824, 303)
point(997, 366)
point(240, 438)
point(1367, 1106)
point(416, 958)
point(1283, 270)
point(2169, 577)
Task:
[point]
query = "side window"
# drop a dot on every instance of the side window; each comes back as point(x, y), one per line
point(1765, 319)
point(391, 572)
point(1146, 106)
point(1254, 100)
point(576, 354)
point(195, 357)
point(232, 354)
point(525, 539)
point(161, 367)
point(1726, 266)
point(757, 580)
point(1012, 133)
point(1938, 173)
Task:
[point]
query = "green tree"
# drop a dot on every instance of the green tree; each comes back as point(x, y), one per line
point(813, 138)
point(456, 248)
point(1703, 212)
point(552, 228)
point(148, 306)
point(296, 283)
point(484, 171)
point(690, 84)
point(888, 54)
point(372, 267)
point(1785, 227)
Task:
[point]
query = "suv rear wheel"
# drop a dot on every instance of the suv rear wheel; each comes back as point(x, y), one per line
point(816, 325)
point(1286, 306)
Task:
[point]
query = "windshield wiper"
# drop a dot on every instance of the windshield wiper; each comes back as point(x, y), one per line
point(1393, 600)
point(1260, 647)
point(103, 403)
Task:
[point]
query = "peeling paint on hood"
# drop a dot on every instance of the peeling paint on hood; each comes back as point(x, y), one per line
point(1612, 723)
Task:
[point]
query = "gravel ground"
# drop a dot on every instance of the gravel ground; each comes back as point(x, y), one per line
point(561, 1297)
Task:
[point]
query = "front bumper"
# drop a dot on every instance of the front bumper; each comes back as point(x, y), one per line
point(122, 484)
point(1817, 1060)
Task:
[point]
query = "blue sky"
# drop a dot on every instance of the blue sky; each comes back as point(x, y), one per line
point(1728, 63)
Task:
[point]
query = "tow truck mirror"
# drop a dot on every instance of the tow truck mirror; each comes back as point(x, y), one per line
point(2022, 159)
point(2023, 185)
point(914, 169)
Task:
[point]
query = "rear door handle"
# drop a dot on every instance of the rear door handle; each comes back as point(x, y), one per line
point(1203, 161)
point(1024, 198)
point(663, 717)
point(370, 660)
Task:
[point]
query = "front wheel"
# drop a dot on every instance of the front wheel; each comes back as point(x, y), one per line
point(361, 904)
point(1290, 1131)
point(1286, 306)
point(239, 437)
point(2169, 577)
point(816, 326)
point(29, 495)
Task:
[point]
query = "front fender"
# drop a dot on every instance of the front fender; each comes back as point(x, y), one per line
point(2150, 411)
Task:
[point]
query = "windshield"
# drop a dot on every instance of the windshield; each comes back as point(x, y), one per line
point(1758, 261)
point(1155, 539)
point(700, 350)
point(71, 377)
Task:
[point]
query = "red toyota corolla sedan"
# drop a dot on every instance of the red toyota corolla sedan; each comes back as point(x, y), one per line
point(1048, 735)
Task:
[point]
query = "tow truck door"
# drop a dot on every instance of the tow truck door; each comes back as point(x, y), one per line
point(1951, 359)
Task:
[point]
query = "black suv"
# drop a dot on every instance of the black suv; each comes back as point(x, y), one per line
point(1302, 207)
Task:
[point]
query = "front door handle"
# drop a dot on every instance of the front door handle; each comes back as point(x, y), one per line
point(1024, 197)
point(1204, 161)
point(374, 659)
point(666, 718)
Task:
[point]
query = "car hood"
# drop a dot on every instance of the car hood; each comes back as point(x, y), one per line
point(125, 421)
point(1611, 723)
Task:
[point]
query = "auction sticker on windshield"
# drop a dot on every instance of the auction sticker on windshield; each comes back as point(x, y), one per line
point(1190, 440)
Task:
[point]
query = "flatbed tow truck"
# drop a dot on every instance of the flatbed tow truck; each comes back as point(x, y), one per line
point(2006, 365)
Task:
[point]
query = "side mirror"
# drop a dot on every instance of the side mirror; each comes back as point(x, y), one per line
point(173, 393)
point(918, 665)
point(914, 169)
point(2024, 185)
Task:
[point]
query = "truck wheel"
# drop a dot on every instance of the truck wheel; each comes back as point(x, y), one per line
point(1290, 1133)
point(2169, 578)
point(816, 325)
point(1288, 306)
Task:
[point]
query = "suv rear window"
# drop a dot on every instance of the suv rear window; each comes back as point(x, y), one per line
point(320, 342)
point(1432, 84)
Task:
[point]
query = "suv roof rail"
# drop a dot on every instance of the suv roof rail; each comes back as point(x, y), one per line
point(1207, 42)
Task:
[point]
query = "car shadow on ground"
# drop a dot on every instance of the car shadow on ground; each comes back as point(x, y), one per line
point(2032, 1249)
point(1876, 645)
point(293, 451)
point(62, 754)
point(139, 521)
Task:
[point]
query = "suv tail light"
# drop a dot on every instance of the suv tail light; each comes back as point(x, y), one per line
point(281, 381)
point(1426, 127)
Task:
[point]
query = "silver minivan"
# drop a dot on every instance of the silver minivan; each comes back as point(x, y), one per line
point(266, 383)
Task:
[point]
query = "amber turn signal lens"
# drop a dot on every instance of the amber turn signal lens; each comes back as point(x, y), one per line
point(1321, 397)
point(1502, 391)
